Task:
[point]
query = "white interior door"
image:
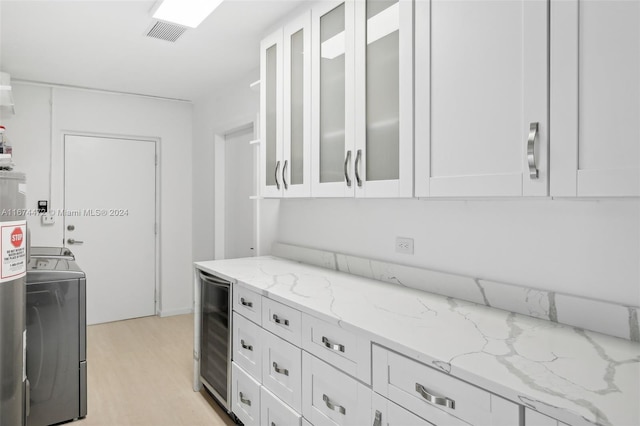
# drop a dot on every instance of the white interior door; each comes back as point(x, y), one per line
point(239, 186)
point(109, 198)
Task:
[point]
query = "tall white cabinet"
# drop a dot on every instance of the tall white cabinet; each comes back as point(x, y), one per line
point(595, 98)
point(383, 164)
point(271, 98)
point(481, 106)
point(285, 105)
point(332, 94)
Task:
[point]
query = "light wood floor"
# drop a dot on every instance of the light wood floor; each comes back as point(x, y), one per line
point(140, 372)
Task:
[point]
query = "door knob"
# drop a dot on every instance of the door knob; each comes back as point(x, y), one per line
point(72, 241)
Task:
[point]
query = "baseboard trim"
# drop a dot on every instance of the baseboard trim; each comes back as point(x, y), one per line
point(172, 312)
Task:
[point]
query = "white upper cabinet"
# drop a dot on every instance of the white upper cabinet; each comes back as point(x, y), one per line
point(481, 98)
point(296, 169)
point(384, 98)
point(332, 94)
point(595, 98)
point(271, 148)
point(285, 105)
point(363, 99)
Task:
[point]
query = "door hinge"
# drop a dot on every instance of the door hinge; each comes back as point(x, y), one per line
point(155, 228)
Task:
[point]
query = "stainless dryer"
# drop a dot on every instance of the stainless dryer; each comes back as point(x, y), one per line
point(56, 341)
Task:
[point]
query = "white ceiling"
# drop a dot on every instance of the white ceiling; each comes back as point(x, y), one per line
point(101, 44)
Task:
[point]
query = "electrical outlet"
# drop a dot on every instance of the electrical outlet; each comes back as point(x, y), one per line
point(404, 245)
point(48, 219)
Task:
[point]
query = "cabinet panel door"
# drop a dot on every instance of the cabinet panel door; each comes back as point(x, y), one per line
point(332, 94)
point(595, 98)
point(271, 54)
point(282, 369)
point(481, 81)
point(296, 168)
point(384, 98)
point(245, 397)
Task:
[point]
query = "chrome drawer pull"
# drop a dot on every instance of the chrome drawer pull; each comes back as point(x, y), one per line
point(280, 321)
point(280, 370)
point(437, 400)
point(334, 346)
point(246, 303)
point(377, 421)
point(245, 401)
point(245, 346)
point(340, 409)
point(531, 144)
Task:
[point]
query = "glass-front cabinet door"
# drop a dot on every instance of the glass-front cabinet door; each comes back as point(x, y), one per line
point(271, 53)
point(333, 96)
point(296, 167)
point(383, 164)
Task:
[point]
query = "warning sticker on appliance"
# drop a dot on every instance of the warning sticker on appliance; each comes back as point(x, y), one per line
point(13, 249)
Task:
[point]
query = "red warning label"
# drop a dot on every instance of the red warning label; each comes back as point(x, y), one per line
point(13, 249)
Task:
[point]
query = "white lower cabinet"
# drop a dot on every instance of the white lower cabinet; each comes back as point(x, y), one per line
point(386, 413)
point(346, 350)
point(245, 396)
point(331, 397)
point(247, 345)
point(437, 396)
point(282, 369)
point(293, 369)
point(274, 412)
point(533, 418)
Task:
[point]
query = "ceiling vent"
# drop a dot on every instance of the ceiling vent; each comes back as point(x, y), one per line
point(165, 31)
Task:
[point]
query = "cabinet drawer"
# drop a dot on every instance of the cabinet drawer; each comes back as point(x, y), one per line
point(340, 348)
point(247, 345)
point(436, 396)
point(245, 396)
point(274, 412)
point(247, 303)
point(330, 397)
point(386, 413)
point(282, 369)
point(282, 320)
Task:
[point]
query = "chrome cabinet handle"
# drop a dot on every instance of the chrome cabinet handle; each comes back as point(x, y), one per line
point(284, 174)
point(531, 144)
point(437, 400)
point(335, 346)
point(358, 160)
point(346, 170)
point(335, 407)
point(377, 421)
point(72, 241)
point(278, 320)
point(280, 370)
point(276, 174)
point(245, 401)
point(246, 303)
point(245, 346)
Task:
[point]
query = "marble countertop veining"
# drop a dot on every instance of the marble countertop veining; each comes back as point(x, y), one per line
point(576, 376)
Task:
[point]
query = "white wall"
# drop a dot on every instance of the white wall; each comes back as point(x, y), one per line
point(215, 114)
point(587, 248)
point(43, 114)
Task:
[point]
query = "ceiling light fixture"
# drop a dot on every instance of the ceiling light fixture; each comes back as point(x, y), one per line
point(189, 13)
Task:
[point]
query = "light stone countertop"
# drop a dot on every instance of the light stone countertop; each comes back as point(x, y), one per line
point(576, 376)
